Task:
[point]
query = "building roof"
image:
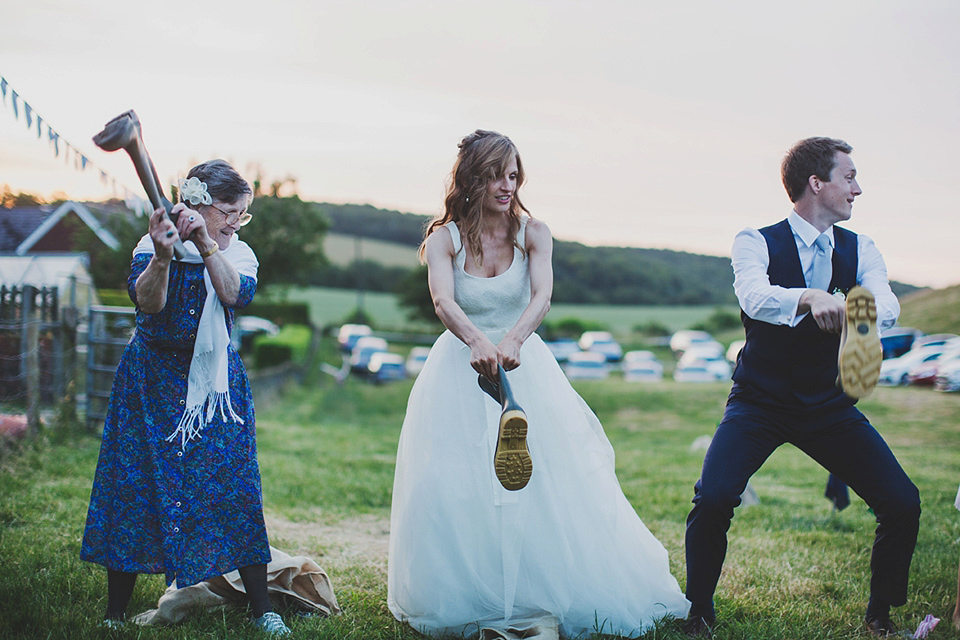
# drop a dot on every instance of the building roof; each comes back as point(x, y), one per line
point(43, 269)
point(22, 227)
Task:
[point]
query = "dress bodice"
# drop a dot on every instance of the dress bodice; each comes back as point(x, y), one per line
point(495, 303)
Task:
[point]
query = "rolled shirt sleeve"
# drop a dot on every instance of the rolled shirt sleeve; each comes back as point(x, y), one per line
point(872, 274)
point(758, 298)
point(765, 302)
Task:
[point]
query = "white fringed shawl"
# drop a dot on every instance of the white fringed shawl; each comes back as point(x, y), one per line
point(208, 388)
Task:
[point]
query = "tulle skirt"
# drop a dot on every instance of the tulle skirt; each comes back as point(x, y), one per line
point(466, 554)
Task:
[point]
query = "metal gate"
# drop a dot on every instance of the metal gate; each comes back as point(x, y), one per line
point(109, 331)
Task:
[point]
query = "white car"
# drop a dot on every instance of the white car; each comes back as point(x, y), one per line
point(586, 365)
point(563, 348)
point(686, 338)
point(895, 371)
point(695, 371)
point(601, 342)
point(385, 366)
point(363, 349)
point(643, 371)
point(710, 357)
point(948, 376)
point(348, 335)
point(639, 356)
point(415, 360)
point(733, 351)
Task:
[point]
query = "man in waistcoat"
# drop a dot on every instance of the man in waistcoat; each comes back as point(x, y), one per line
point(785, 383)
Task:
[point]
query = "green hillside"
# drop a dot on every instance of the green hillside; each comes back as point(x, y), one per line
point(582, 274)
point(932, 310)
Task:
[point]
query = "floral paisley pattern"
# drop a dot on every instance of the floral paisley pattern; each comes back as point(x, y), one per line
point(191, 514)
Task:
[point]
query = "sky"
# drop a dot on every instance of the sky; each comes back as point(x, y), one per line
point(644, 124)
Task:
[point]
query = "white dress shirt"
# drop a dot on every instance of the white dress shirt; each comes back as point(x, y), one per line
point(765, 302)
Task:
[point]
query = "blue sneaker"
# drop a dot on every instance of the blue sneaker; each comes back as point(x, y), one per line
point(271, 622)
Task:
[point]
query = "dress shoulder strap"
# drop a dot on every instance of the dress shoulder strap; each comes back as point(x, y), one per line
point(521, 234)
point(455, 235)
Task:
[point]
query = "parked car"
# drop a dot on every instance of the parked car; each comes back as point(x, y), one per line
point(348, 335)
point(682, 340)
point(733, 351)
point(586, 365)
point(642, 369)
point(948, 376)
point(601, 342)
point(896, 341)
point(562, 348)
point(639, 356)
point(714, 361)
point(695, 371)
point(415, 360)
point(924, 373)
point(933, 340)
point(365, 347)
point(896, 370)
point(384, 367)
point(249, 327)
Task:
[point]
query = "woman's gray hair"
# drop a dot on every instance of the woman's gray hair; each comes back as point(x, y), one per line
point(224, 184)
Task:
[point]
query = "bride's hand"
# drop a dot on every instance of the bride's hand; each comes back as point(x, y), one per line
point(509, 349)
point(484, 357)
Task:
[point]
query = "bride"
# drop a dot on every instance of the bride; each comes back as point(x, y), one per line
point(467, 556)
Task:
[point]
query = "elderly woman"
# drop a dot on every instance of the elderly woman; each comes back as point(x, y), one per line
point(177, 487)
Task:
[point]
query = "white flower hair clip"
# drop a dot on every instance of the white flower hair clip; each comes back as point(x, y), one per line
point(194, 191)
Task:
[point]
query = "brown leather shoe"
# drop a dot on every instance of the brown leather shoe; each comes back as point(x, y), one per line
point(699, 627)
point(881, 627)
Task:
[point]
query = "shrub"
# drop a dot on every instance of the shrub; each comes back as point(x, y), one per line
point(114, 297)
point(281, 313)
point(271, 354)
point(292, 343)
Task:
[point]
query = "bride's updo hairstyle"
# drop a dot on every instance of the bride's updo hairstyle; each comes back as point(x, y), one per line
point(483, 158)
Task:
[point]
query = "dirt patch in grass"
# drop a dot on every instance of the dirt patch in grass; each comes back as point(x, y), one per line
point(358, 540)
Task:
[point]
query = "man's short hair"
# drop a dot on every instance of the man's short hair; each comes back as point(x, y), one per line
point(810, 157)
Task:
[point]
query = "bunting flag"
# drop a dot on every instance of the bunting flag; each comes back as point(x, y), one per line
point(54, 140)
point(134, 202)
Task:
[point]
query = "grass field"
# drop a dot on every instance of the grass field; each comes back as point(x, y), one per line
point(795, 569)
point(342, 249)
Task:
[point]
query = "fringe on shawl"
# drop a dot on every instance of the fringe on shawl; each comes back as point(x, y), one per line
point(195, 418)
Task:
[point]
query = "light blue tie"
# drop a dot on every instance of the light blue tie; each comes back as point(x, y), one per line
point(822, 265)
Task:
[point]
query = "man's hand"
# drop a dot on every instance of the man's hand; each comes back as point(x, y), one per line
point(827, 310)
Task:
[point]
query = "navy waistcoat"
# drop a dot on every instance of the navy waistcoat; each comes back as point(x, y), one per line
point(794, 368)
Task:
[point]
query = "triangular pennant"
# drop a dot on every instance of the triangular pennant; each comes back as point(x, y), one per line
point(16, 110)
point(39, 126)
point(83, 163)
point(55, 140)
point(3, 88)
point(28, 112)
point(103, 176)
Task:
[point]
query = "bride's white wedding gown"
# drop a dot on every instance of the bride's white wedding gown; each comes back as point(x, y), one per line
point(466, 554)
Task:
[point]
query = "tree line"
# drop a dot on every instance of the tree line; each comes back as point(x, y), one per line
point(287, 235)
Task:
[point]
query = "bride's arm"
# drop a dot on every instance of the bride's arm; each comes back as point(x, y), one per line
point(440, 254)
point(539, 247)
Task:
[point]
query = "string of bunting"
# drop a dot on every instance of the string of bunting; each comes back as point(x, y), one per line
point(81, 162)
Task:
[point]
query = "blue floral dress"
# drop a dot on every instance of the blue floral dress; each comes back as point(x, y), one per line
point(191, 513)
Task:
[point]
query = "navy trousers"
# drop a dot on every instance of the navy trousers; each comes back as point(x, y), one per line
point(844, 443)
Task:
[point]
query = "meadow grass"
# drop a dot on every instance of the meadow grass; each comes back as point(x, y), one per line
point(795, 568)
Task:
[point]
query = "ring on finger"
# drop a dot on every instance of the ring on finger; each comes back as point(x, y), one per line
point(190, 219)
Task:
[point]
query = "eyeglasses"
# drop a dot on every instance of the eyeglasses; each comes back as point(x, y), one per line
point(242, 218)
